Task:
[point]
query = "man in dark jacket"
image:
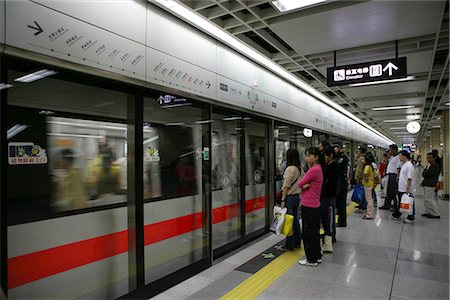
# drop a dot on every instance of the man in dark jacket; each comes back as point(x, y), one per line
point(430, 178)
point(341, 189)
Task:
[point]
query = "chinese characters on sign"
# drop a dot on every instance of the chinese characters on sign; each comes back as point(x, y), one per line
point(366, 72)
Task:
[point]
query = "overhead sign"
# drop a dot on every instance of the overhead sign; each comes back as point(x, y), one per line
point(172, 101)
point(366, 72)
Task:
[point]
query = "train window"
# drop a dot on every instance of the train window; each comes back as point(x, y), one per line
point(66, 147)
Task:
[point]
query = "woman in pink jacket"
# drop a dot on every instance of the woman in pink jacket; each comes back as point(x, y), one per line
point(311, 186)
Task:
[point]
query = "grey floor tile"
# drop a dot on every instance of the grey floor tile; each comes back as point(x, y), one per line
point(338, 257)
point(443, 289)
point(325, 272)
point(242, 257)
point(417, 270)
point(372, 263)
point(414, 288)
point(217, 271)
point(355, 276)
point(416, 256)
point(185, 289)
point(288, 287)
point(339, 292)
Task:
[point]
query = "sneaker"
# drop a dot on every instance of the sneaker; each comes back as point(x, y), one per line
point(367, 218)
point(408, 221)
point(425, 215)
point(304, 262)
point(319, 261)
point(394, 218)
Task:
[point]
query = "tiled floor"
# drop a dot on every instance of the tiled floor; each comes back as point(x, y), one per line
point(379, 259)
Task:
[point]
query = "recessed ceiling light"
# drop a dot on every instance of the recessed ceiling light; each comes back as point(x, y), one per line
point(287, 5)
point(448, 103)
point(393, 107)
point(396, 121)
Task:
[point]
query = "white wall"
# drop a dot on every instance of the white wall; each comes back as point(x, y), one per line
point(139, 40)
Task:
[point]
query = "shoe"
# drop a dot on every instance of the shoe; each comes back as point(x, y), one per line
point(327, 245)
point(384, 207)
point(394, 218)
point(433, 217)
point(367, 218)
point(341, 225)
point(304, 262)
point(426, 215)
point(359, 210)
point(408, 221)
point(319, 260)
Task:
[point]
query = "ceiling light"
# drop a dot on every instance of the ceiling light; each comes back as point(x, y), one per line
point(393, 128)
point(76, 135)
point(436, 126)
point(396, 121)
point(5, 86)
point(231, 118)
point(174, 124)
point(189, 16)
point(204, 122)
point(35, 76)
point(393, 107)
point(287, 5)
point(448, 103)
point(383, 81)
point(412, 117)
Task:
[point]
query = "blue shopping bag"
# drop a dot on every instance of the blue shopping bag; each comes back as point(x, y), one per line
point(358, 193)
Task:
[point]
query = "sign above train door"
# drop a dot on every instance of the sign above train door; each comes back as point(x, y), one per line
point(367, 72)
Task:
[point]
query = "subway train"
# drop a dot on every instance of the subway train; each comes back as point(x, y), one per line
point(136, 149)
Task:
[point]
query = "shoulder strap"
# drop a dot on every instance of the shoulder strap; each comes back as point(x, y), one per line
point(295, 179)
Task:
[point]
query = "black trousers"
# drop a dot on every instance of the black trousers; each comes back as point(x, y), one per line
point(391, 191)
point(311, 233)
point(341, 206)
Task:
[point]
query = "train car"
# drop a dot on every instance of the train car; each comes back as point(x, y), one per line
point(136, 148)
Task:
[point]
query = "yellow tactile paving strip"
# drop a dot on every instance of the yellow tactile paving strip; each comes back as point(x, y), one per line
point(261, 280)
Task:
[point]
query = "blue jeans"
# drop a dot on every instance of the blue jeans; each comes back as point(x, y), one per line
point(292, 204)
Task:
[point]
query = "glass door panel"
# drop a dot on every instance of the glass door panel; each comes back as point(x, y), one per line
point(225, 181)
point(175, 230)
point(255, 175)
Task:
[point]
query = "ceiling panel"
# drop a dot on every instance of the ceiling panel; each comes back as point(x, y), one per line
point(387, 89)
point(361, 24)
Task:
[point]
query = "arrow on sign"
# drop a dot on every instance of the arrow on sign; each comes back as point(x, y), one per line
point(389, 67)
point(38, 28)
point(208, 84)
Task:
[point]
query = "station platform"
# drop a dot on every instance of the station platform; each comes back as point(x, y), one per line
point(372, 259)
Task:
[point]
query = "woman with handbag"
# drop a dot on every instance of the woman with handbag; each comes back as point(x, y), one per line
point(290, 197)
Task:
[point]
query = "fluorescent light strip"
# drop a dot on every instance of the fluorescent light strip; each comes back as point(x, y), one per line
point(383, 81)
point(35, 76)
point(203, 122)
point(448, 103)
point(396, 121)
point(393, 128)
point(287, 5)
point(192, 18)
point(176, 105)
point(5, 86)
point(151, 139)
point(15, 130)
point(393, 107)
point(92, 126)
point(76, 135)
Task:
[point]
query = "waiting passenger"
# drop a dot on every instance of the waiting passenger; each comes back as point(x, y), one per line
point(342, 184)
point(430, 178)
point(359, 176)
point(71, 191)
point(291, 195)
point(368, 183)
point(393, 170)
point(311, 186)
point(406, 184)
point(328, 198)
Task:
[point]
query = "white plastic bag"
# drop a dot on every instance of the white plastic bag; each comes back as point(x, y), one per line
point(279, 214)
point(406, 204)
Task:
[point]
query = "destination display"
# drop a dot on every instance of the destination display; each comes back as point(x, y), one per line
point(367, 72)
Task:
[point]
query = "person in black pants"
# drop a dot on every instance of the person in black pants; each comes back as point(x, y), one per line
point(392, 169)
point(342, 183)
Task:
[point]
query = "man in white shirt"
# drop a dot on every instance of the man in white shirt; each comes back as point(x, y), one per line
point(406, 184)
point(392, 171)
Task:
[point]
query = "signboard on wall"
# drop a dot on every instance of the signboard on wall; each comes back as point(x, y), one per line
point(367, 72)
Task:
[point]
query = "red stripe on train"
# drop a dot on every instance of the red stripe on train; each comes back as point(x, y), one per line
point(37, 265)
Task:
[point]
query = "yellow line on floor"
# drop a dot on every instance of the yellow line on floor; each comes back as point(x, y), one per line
point(261, 280)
